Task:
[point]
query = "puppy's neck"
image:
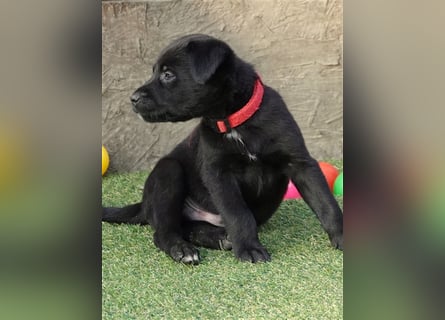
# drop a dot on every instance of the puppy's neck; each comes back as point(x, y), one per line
point(239, 93)
point(240, 90)
point(243, 85)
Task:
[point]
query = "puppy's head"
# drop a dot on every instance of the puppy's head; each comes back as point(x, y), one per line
point(188, 80)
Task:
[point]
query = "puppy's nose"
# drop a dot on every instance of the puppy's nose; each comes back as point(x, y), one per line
point(135, 97)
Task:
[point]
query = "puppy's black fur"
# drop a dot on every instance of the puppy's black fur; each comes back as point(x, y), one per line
point(234, 180)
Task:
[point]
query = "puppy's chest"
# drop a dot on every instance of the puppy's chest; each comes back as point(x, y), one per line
point(235, 142)
point(249, 158)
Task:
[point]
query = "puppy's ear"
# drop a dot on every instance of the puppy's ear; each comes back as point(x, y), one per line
point(206, 57)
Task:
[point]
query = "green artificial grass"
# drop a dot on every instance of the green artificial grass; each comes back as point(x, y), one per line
point(304, 280)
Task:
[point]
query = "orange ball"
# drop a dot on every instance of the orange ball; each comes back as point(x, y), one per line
point(329, 172)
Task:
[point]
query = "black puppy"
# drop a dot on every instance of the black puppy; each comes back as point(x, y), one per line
point(230, 174)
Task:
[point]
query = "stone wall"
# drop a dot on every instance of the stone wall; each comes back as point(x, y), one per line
point(296, 46)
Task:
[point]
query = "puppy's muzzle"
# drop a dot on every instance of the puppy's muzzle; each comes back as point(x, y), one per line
point(140, 102)
point(135, 99)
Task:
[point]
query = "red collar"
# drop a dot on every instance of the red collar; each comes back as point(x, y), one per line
point(243, 114)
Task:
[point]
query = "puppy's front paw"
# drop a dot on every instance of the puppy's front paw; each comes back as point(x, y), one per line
point(252, 253)
point(337, 241)
point(185, 253)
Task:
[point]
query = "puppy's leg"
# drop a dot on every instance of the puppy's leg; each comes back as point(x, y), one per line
point(238, 218)
point(308, 178)
point(164, 195)
point(206, 235)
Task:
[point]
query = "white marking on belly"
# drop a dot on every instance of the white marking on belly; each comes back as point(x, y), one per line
point(193, 212)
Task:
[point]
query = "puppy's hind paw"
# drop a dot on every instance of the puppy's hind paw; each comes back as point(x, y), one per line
point(225, 243)
point(185, 253)
point(253, 254)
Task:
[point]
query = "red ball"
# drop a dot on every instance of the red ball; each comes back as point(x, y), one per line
point(329, 172)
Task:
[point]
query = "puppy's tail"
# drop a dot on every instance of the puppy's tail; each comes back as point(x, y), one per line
point(132, 214)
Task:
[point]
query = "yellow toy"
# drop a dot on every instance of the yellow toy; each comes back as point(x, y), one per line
point(105, 160)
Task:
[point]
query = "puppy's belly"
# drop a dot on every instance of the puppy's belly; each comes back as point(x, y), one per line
point(193, 212)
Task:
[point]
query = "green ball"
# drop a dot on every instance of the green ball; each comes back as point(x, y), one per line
point(338, 185)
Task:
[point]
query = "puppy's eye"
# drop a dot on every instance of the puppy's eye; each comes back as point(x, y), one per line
point(167, 76)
